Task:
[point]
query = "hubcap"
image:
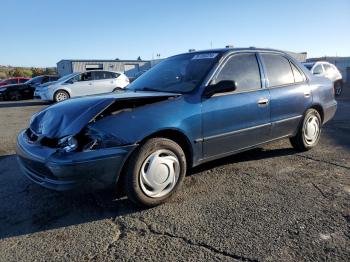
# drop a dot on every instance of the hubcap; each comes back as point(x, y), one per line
point(61, 96)
point(311, 130)
point(159, 173)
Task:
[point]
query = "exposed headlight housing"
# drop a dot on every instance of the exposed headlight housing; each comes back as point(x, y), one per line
point(68, 143)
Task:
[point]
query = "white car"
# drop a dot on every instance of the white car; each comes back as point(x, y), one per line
point(329, 71)
point(81, 84)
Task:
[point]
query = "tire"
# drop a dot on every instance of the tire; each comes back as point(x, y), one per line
point(309, 131)
point(117, 89)
point(60, 96)
point(161, 155)
point(338, 88)
point(14, 96)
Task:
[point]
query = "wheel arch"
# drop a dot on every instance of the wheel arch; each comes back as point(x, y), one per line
point(60, 89)
point(173, 134)
point(319, 109)
point(177, 136)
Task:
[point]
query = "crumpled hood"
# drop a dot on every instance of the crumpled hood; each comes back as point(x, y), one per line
point(71, 116)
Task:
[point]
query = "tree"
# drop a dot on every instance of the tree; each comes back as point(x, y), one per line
point(18, 72)
point(37, 71)
point(50, 71)
point(3, 75)
point(139, 58)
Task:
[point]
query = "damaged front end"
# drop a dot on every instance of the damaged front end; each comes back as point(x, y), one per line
point(62, 148)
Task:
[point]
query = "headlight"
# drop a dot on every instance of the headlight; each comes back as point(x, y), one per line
point(68, 143)
point(2, 89)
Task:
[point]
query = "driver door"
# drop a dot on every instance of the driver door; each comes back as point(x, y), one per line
point(83, 85)
point(239, 119)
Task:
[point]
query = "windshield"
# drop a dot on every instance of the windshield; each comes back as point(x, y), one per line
point(64, 78)
point(178, 74)
point(34, 80)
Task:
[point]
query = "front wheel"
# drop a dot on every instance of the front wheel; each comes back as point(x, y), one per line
point(309, 131)
point(61, 95)
point(15, 96)
point(154, 172)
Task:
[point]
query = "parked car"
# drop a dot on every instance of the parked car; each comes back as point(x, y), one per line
point(13, 81)
point(81, 84)
point(329, 71)
point(25, 90)
point(136, 75)
point(185, 111)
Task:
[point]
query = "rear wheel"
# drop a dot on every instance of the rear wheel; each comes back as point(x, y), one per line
point(338, 88)
point(154, 172)
point(309, 132)
point(61, 95)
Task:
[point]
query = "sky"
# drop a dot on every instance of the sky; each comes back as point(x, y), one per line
point(40, 33)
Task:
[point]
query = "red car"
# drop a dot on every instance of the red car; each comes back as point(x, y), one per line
point(14, 80)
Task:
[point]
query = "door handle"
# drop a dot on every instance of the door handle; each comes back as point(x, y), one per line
point(263, 101)
point(307, 94)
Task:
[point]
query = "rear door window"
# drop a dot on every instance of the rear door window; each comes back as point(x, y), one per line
point(278, 70)
point(244, 70)
point(12, 81)
point(318, 70)
point(100, 75)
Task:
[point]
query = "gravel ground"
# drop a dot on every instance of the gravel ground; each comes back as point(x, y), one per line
point(267, 204)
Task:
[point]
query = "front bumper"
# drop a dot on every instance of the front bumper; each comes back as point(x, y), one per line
point(64, 171)
point(42, 95)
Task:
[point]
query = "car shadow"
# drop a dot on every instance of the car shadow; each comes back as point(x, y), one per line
point(8, 104)
point(251, 155)
point(28, 208)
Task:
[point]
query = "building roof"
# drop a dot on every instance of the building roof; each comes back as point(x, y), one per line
point(103, 60)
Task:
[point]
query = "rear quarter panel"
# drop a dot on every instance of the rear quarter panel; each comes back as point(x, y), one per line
point(323, 95)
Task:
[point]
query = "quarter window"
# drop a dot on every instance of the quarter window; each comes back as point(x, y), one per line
point(327, 68)
point(244, 70)
point(318, 70)
point(298, 76)
point(278, 70)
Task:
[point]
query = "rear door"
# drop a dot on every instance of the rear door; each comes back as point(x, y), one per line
point(239, 119)
point(103, 82)
point(289, 91)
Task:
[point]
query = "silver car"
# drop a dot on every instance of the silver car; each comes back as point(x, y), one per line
point(329, 71)
point(81, 84)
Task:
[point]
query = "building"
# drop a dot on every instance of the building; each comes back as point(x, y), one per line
point(129, 67)
point(342, 63)
point(301, 57)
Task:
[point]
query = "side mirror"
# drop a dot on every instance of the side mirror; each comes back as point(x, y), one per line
point(221, 87)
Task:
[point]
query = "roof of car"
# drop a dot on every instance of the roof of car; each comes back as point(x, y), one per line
point(226, 50)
